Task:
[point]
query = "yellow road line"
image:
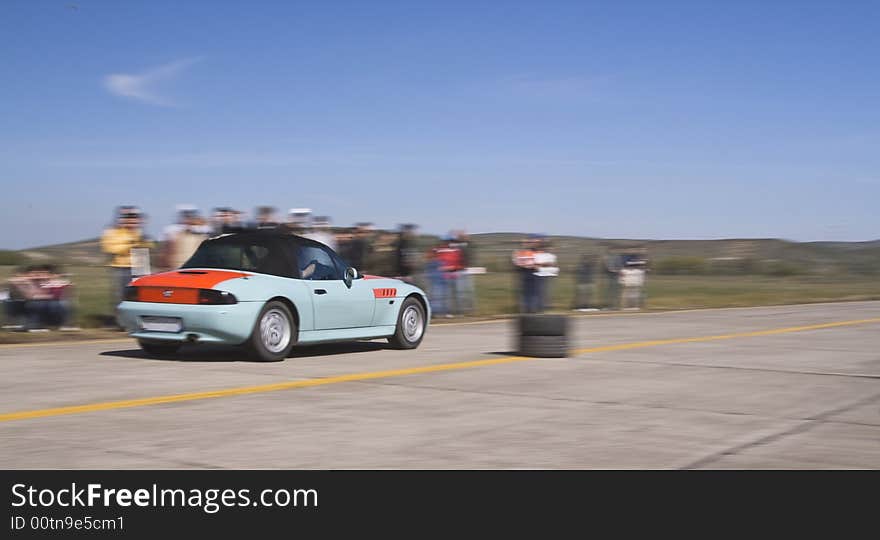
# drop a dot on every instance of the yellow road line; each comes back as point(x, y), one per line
point(254, 389)
point(352, 377)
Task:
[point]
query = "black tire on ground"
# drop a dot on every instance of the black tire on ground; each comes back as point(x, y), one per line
point(153, 348)
point(543, 325)
point(266, 352)
point(544, 346)
point(409, 339)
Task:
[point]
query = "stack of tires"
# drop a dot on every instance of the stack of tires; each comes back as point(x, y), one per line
point(544, 336)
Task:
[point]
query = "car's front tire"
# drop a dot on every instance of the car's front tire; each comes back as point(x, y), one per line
point(153, 348)
point(274, 333)
point(411, 324)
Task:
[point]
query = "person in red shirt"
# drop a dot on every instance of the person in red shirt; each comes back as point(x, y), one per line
point(438, 293)
point(449, 257)
point(464, 281)
point(451, 263)
point(443, 261)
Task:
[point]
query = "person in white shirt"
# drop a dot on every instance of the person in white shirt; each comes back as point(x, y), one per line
point(545, 265)
point(299, 221)
point(632, 279)
point(183, 237)
point(524, 262)
point(320, 232)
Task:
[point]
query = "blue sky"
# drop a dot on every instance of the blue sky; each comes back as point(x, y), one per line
point(612, 119)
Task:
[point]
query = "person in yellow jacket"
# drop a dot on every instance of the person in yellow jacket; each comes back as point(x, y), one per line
point(118, 241)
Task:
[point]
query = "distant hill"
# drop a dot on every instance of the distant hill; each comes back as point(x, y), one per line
point(84, 252)
point(824, 257)
point(494, 250)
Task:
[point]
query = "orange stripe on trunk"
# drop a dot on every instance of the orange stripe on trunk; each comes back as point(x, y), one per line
point(188, 279)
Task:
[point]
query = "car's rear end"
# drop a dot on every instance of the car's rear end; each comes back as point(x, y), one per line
point(192, 305)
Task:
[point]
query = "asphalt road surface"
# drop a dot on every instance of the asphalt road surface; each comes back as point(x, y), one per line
point(774, 387)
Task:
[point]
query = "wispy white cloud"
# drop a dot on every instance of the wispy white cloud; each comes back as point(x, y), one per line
point(144, 86)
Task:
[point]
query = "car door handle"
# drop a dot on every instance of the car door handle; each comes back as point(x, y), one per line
point(320, 291)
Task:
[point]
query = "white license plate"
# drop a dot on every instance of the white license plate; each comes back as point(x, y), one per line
point(161, 324)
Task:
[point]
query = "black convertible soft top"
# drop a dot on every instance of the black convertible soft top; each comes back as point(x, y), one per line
point(268, 251)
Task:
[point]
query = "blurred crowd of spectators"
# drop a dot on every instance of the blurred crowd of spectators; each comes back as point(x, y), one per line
point(41, 297)
point(445, 266)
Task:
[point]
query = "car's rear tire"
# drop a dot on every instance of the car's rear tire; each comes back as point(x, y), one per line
point(153, 348)
point(274, 333)
point(411, 325)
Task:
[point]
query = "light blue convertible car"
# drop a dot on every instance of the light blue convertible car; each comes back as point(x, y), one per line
point(270, 291)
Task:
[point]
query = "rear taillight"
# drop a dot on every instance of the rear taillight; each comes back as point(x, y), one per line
point(211, 296)
point(130, 294)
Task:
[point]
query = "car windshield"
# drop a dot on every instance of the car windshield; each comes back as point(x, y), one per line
point(254, 254)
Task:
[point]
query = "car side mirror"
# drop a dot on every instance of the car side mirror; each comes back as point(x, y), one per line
point(351, 274)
